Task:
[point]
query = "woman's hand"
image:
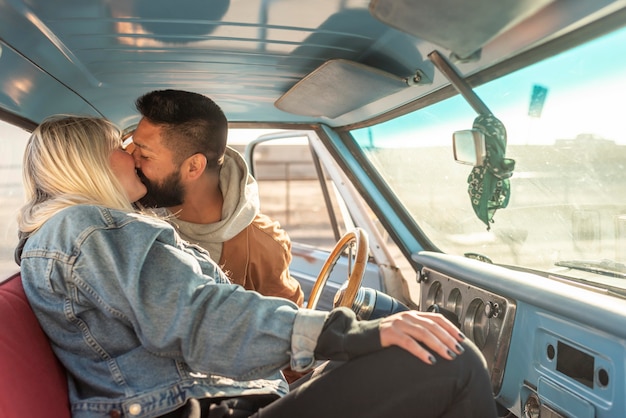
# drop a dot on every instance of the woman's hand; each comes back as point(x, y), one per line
point(414, 331)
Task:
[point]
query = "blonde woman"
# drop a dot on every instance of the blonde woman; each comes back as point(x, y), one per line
point(148, 325)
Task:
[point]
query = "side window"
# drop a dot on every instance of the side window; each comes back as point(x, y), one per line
point(316, 212)
point(12, 144)
point(292, 193)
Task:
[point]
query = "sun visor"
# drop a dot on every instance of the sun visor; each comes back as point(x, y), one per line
point(338, 86)
point(461, 26)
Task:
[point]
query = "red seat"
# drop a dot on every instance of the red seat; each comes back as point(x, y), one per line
point(32, 381)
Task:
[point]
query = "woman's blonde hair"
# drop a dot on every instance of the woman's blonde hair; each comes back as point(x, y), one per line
point(66, 163)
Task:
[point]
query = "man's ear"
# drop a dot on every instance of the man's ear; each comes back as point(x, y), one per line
point(194, 166)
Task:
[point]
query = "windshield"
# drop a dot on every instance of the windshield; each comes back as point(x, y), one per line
point(564, 118)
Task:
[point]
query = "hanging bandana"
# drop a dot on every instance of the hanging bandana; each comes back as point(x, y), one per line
point(489, 187)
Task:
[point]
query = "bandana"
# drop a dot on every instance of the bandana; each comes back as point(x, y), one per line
point(489, 188)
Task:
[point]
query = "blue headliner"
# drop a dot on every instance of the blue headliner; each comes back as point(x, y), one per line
point(97, 56)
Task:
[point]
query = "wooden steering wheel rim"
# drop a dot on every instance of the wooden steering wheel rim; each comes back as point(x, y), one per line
point(359, 237)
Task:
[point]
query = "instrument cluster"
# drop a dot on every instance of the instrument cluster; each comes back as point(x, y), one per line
point(484, 317)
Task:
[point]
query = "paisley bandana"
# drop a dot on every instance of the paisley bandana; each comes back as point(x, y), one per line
point(489, 187)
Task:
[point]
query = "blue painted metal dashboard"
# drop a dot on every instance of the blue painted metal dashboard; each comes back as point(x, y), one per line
point(567, 343)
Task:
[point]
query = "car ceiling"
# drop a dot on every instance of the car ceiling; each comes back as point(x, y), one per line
point(97, 57)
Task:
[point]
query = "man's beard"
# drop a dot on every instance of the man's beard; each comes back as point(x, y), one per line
point(170, 192)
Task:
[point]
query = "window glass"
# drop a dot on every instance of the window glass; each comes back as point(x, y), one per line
point(290, 190)
point(567, 207)
point(12, 143)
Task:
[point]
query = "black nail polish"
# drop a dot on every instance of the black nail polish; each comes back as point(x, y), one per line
point(451, 353)
point(460, 348)
point(462, 335)
point(432, 359)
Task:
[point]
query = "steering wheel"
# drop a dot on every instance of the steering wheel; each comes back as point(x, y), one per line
point(355, 238)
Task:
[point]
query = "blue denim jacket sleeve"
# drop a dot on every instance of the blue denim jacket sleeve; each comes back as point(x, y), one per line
point(306, 329)
point(138, 272)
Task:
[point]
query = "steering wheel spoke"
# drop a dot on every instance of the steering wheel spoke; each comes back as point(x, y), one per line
point(356, 238)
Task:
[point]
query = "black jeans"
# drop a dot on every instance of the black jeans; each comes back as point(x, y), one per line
point(387, 383)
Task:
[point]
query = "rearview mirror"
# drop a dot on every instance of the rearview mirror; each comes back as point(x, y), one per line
point(469, 147)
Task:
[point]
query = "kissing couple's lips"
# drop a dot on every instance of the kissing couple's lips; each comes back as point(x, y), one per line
point(141, 176)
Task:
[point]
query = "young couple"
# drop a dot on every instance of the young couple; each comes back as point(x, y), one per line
point(148, 325)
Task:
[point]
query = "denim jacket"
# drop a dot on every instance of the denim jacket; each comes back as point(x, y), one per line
point(143, 320)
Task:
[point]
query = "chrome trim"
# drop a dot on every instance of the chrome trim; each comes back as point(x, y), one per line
point(364, 303)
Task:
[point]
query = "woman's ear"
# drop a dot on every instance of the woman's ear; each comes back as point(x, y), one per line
point(194, 166)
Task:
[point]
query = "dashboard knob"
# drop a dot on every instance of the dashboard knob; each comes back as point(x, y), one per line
point(532, 408)
point(492, 309)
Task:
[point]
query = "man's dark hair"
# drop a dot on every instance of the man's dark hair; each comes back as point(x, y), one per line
point(192, 123)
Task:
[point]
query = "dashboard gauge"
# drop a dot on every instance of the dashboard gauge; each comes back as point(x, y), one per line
point(435, 295)
point(455, 302)
point(476, 323)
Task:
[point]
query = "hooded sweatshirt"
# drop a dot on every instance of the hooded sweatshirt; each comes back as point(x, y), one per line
point(252, 249)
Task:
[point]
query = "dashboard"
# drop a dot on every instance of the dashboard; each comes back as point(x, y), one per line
point(553, 348)
point(486, 318)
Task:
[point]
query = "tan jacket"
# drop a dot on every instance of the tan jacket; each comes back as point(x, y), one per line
point(258, 259)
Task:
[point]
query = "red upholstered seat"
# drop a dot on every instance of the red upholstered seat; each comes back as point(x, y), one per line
point(32, 381)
